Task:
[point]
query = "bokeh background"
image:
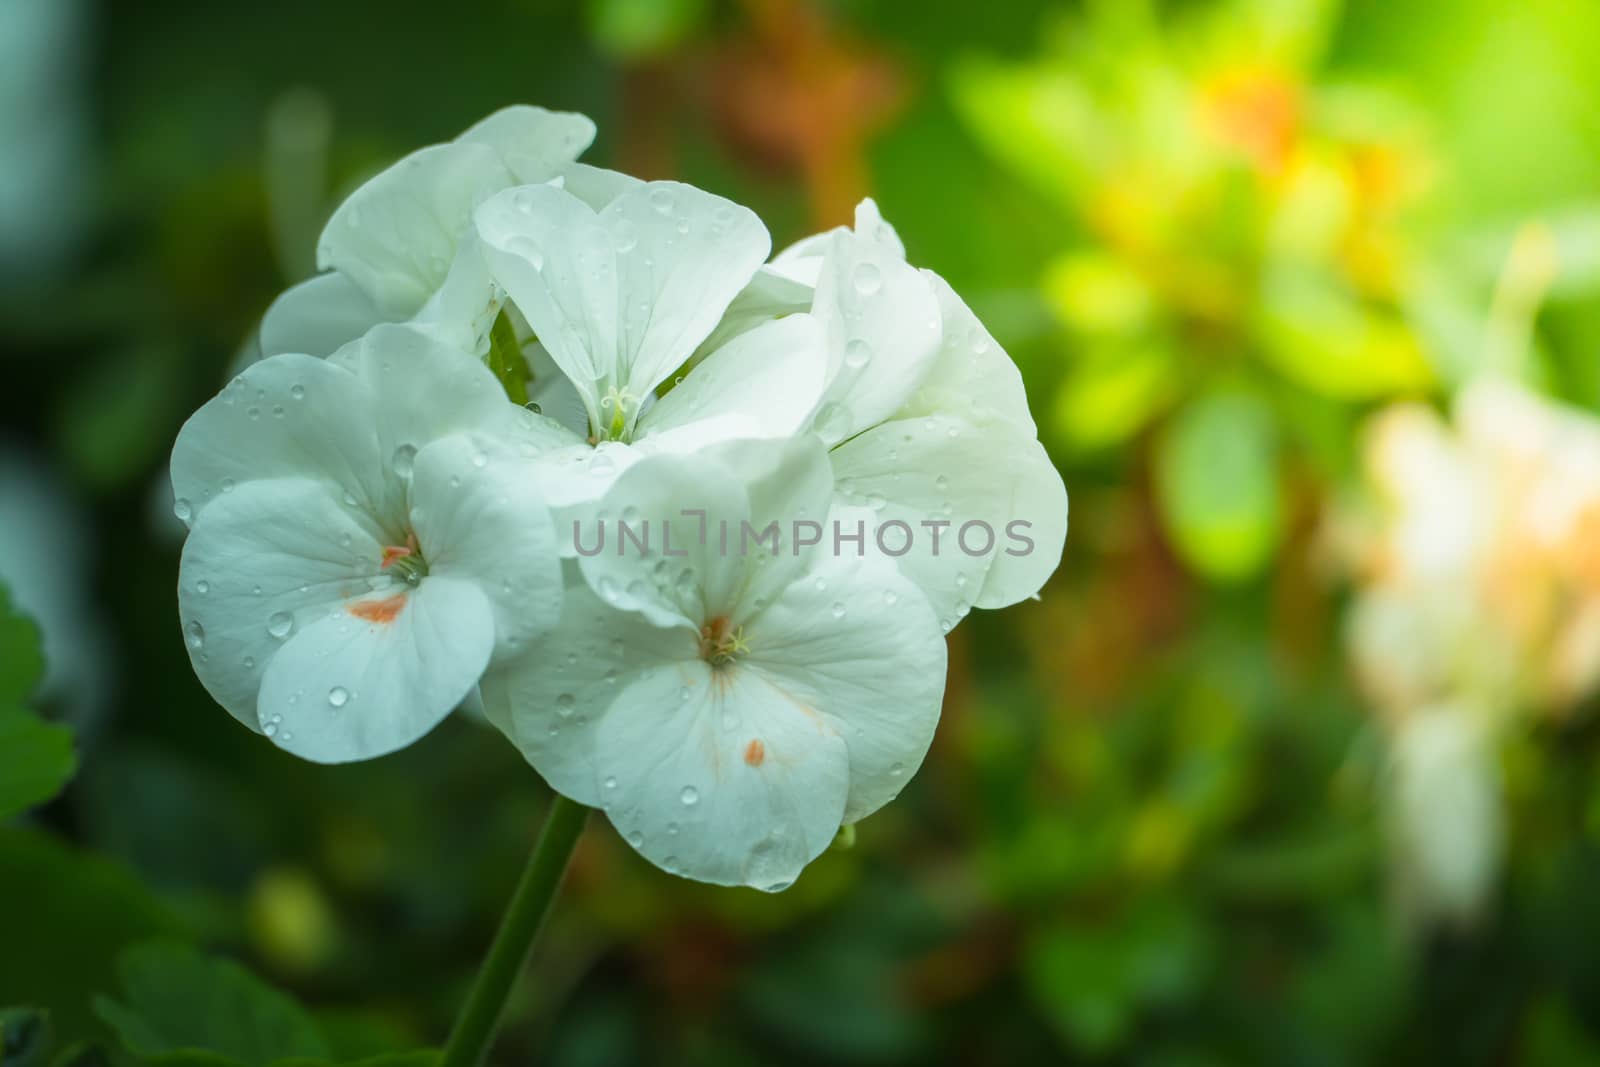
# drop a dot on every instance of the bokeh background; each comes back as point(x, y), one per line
point(1293, 761)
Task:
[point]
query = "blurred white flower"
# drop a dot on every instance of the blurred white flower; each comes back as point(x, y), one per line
point(1446, 825)
point(365, 541)
point(45, 561)
point(1477, 608)
point(45, 135)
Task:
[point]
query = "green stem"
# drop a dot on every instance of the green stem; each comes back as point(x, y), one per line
point(480, 1015)
point(505, 359)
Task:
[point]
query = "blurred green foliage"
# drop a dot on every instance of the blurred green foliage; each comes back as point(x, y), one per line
point(1215, 236)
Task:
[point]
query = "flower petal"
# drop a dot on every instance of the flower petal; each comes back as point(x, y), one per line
point(548, 700)
point(959, 490)
point(378, 675)
point(479, 517)
point(396, 236)
point(882, 319)
point(424, 389)
point(596, 186)
point(720, 776)
point(770, 294)
point(774, 374)
point(1038, 499)
point(622, 298)
point(317, 316)
point(691, 253)
point(533, 143)
point(286, 416)
point(462, 310)
point(971, 377)
point(556, 259)
point(679, 564)
point(267, 558)
point(855, 645)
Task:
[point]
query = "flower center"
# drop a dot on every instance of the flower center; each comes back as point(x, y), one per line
point(617, 409)
point(721, 642)
point(405, 561)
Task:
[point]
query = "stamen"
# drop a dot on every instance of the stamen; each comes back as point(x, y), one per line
point(622, 404)
point(405, 560)
point(720, 643)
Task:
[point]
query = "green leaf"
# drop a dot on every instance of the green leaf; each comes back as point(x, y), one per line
point(505, 360)
point(21, 654)
point(1324, 337)
point(1113, 393)
point(1217, 484)
point(418, 1058)
point(642, 27)
point(82, 1054)
point(208, 1010)
point(36, 758)
point(24, 1037)
point(1093, 980)
point(72, 913)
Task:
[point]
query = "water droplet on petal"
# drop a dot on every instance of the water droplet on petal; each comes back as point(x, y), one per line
point(857, 354)
point(338, 696)
point(566, 703)
point(838, 609)
point(297, 391)
point(636, 839)
point(405, 458)
point(690, 796)
point(196, 635)
point(867, 278)
point(626, 237)
point(280, 624)
point(202, 587)
point(181, 508)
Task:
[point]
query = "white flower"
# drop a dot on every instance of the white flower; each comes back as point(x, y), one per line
point(729, 710)
point(401, 246)
point(1446, 824)
point(926, 416)
point(364, 543)
point(622, 294)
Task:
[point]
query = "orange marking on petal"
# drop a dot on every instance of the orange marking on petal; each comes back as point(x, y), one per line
point(755, 752)
point(380, 611)
point(392, 553)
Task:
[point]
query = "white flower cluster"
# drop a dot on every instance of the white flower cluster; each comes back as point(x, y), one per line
point(507, 345)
